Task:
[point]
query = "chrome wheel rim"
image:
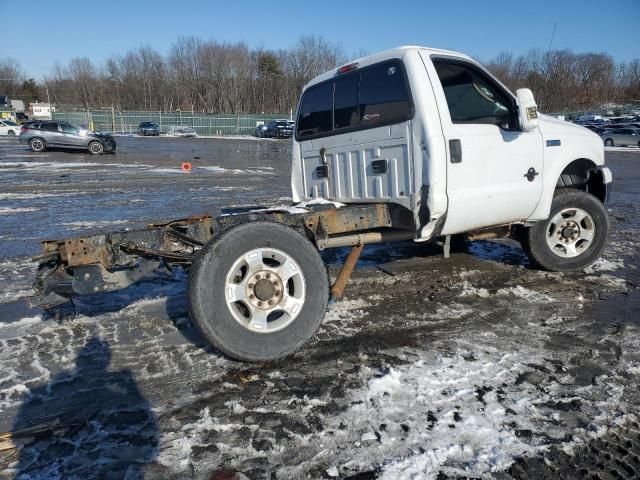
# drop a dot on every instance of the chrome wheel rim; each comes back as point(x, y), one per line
point(570, 232)
point(265, 290)
point(95, 148)
point(37, 145)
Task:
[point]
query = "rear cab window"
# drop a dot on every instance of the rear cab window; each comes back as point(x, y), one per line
point(373, 96)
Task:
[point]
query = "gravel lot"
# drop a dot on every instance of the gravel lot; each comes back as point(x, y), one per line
point(472, 366)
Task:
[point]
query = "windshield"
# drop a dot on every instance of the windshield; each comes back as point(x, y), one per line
point(147, 124)
point(10, 123)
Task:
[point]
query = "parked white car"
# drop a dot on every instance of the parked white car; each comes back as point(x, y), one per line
point(7, 127)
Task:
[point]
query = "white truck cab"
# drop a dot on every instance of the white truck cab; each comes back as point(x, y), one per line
point(432, 130)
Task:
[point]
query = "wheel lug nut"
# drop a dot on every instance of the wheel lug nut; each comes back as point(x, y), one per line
point(267, 275)
point(252, 296)
point(270, 302)
point(251, 285)
point(259, 304)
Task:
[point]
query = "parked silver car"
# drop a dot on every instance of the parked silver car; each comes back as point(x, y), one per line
point(621, 137)
point(52, 134)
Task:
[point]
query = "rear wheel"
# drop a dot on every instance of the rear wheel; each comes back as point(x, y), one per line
point(37, 144)
point(608, 142)
point(96, 148)
point(573, 236)
point(259, 292)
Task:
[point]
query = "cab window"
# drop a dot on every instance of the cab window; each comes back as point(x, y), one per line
point(473, 97)
point(368, 97)
point(315, 116)
point(384, 96)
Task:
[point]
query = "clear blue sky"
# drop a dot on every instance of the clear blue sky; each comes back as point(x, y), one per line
point(43, 31)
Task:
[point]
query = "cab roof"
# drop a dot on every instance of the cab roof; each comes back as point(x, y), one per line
point(398, 52)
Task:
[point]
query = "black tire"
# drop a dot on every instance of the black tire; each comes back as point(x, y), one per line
point(37, 144)
point(211, 313)
point(608, 142)
point(11, 133)
point(95, 148)
point(534, 239)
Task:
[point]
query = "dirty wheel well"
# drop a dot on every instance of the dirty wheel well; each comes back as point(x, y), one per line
point(582, 174)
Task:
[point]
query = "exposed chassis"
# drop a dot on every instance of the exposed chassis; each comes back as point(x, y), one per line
point(111, 261)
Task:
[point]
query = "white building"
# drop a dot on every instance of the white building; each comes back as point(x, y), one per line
point(40, 111)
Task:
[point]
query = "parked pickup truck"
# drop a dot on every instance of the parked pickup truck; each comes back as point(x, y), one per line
point(411, 143)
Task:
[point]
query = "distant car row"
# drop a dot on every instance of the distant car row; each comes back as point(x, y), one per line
point(275, 129)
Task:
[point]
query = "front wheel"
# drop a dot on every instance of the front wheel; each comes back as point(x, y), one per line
point(11, 133)
point(258, 292)
point(37, 145)
point(573, 236)
point(608, 142)
point(96, 148)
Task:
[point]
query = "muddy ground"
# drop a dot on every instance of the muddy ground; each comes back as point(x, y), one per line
point(477, 365)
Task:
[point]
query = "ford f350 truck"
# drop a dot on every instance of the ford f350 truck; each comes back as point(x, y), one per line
point(410, 143)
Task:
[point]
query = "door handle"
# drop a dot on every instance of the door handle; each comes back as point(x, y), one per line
point(531, 174)
point(455, 150)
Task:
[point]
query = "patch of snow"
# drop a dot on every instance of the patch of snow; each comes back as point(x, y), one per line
point(16, 210)
point(469, 290)
point(526, 294)
point(604, 265)
point(93, 224)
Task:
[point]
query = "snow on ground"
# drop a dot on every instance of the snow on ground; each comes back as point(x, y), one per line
point(427, 367)
point(16, 210)
point(14, 278)
point(95, 224)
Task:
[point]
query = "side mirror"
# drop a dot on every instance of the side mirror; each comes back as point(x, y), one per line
point(527, 110)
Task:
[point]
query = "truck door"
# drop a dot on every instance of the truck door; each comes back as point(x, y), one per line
point(494, 170)
point(353, 133)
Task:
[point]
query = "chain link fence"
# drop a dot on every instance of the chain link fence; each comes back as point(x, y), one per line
point(126, 122)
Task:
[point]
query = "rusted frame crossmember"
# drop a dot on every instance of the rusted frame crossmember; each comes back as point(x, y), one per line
point(110, 261)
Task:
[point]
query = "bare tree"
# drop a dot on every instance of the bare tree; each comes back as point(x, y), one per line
point(218, 77)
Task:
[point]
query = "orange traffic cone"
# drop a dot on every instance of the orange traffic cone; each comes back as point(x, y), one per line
point(186, 167)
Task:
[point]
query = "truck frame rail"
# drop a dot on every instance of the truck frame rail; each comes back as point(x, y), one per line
point(110, 261)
